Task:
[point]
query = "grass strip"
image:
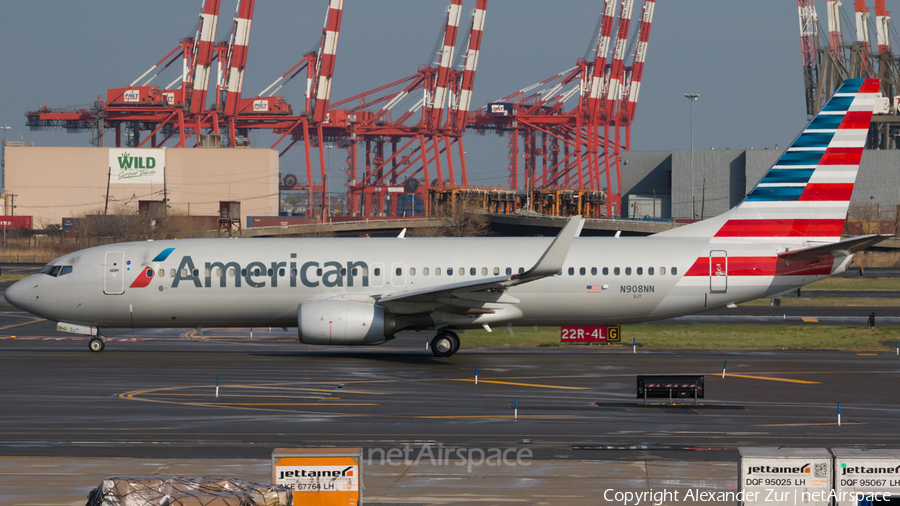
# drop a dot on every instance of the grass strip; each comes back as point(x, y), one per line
point(811, 336)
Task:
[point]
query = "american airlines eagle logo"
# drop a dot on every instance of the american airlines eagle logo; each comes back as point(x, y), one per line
point(146, 275)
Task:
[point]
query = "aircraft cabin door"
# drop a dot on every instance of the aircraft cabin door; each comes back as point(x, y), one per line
point(114, 273)
point(398, 274)
point(718, 271)
point(376, 278)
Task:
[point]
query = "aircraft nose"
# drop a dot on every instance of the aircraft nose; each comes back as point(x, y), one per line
point(18, 294)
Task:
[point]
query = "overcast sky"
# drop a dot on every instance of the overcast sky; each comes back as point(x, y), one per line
point(742, 57)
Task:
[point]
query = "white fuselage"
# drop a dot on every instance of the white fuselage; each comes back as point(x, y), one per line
point(261, 282)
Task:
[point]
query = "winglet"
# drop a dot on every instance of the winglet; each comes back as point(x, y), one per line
point(553, 259)
point(402, 234)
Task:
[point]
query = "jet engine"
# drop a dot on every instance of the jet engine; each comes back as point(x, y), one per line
point(343, 322)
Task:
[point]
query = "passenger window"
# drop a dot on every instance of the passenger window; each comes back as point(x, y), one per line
point(509, 271)
point(593, 271)
point(582, 271)
point(571, 271)
point(244, 272)
point(206, 272)
point(649, 271)
point(377, 272)
point(640, 270)
point(231, 272)
point(162, 273)
point(484, 271)
point(628, 271)
point(437, 271)
point(616, 271)
point(472, 271)
point(281, 272)
point(674, 271)
point(662, 271)
point(462, 271)
point(149, 272)
point(449, 271)
point(68, 268)
point(521, 270)
point(318, 272)
point(424, 271)
point(365, 271)
point(270, 272)
point(354, 272)
point(172, 272)
point(293, 273)
point(398, 271)
point(343, 272)
point(412, 271)
point(184, 273)
point(496, 271)
point(606, 271)
point(218, 272)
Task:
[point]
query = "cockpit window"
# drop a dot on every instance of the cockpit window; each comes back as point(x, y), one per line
point(56, 270)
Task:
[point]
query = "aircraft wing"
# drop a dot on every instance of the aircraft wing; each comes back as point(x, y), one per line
point(851, 245)
point(478, 292)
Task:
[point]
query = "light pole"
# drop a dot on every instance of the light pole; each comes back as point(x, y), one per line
point(692, 97)
point(3, 164)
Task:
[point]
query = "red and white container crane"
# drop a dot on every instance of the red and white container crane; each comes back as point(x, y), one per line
point(434, 104)
point(327, 55)
point(882, 27)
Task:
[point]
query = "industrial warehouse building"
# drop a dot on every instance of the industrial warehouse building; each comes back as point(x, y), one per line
point(660, 181)
point(52, 183)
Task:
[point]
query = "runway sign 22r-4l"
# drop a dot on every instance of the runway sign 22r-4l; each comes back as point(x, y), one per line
point(610, 334)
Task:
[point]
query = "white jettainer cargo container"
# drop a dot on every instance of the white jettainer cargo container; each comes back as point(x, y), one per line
point(866, 476)
point(795, 476)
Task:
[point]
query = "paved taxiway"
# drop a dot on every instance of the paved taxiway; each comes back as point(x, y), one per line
point(152, 393)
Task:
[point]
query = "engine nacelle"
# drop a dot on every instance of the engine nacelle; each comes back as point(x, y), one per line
point(342, 322)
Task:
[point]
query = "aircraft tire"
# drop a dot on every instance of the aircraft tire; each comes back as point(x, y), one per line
point(443, 344)
point(96, 345)
point(455, 339)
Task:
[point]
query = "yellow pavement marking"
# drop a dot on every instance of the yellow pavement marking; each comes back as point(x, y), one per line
point(868, 354)
point(157, 391)
point(247, 395)
point(501, 416)
point(806, 424)
point(277, 404)
point(520, 384)
point(809, 319)
point(802, 382)
point(26, 323)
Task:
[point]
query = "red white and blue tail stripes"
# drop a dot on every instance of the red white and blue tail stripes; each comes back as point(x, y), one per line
point(807, 192)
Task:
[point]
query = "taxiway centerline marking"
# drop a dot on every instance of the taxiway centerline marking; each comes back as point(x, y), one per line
point(26, 323)
point(767, 378)
point(518, 384)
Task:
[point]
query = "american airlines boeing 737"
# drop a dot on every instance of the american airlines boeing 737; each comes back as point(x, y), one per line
point(362, 291)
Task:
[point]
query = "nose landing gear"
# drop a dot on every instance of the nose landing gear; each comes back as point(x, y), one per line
point(97, 344)
point(445, 344)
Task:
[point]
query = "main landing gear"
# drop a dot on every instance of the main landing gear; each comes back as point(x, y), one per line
point(444, 344)
point(97, 344)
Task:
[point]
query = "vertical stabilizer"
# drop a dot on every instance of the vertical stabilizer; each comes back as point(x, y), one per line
point(806, 194)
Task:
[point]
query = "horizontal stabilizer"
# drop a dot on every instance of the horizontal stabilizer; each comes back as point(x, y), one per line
point(851, 245)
